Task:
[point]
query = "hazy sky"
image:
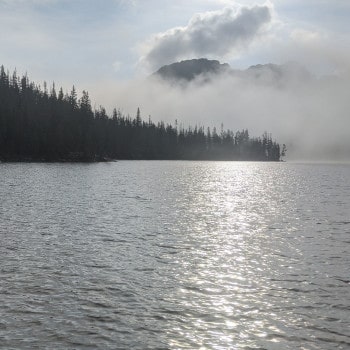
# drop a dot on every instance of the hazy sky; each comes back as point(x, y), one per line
point(110, 46)
point(83, 41)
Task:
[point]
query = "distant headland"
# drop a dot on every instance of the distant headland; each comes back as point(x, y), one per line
point(43, 124)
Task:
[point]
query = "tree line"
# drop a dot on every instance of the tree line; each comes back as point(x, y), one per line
point(43, 124)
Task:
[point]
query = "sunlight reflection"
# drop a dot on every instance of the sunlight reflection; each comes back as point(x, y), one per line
point(222, 279)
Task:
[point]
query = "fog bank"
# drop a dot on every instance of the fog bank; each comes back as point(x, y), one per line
point(308, 114)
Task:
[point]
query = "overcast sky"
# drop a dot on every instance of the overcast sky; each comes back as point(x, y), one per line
point(109, 46)
point(82, 41)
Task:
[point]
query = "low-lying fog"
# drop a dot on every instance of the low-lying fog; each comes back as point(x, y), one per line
point(309, 114)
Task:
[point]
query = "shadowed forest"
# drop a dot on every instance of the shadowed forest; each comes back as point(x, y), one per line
point(42, 124)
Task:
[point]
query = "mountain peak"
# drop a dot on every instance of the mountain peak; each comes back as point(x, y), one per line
point(279, 72)
point(207, 70)
point(188, 70)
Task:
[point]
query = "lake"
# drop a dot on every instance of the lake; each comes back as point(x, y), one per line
point(175, 255)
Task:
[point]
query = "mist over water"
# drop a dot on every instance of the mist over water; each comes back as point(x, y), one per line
point(169, 255)
point(309, 114)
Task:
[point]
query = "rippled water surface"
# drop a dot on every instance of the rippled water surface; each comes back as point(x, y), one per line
point(174, 255)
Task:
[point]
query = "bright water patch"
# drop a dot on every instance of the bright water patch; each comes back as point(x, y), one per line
point(174, 255)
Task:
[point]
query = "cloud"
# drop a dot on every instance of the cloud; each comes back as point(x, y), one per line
point(321, 51)
point(209, 34)
point(305, 36)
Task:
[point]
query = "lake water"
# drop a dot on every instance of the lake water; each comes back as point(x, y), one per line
point(175, 255)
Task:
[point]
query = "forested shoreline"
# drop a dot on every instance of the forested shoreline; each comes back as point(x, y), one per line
point(42, 124)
